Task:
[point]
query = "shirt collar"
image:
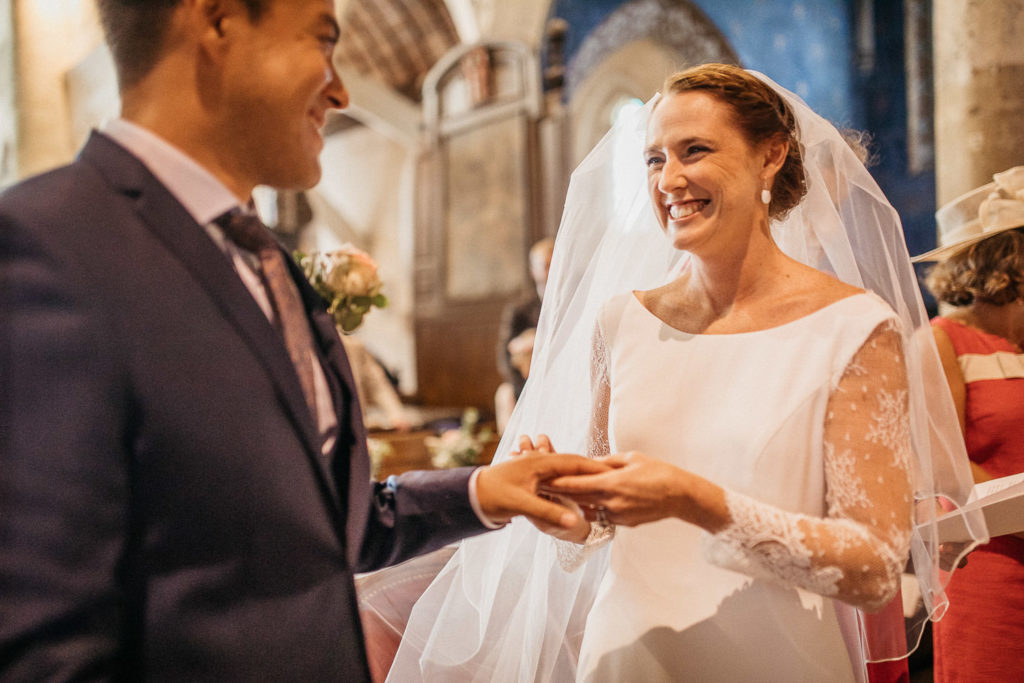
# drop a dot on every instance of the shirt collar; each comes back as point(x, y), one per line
point(199, 191)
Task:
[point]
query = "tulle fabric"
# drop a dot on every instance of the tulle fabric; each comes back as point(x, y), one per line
point(845, 226)
point(502, 608)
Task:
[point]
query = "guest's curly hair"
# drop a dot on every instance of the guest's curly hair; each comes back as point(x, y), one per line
point(990, 271)
point(760, 113)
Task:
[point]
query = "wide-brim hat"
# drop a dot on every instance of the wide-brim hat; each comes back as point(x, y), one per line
point(979, 214)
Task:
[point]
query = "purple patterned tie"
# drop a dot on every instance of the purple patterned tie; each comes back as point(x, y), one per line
point(247, 231)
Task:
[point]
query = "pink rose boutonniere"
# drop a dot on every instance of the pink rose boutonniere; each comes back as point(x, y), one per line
point(347, 279)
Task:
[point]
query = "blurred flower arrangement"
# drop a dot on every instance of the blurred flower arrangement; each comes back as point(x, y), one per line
point(459, 447)
point(379, 450)
point(347, 278)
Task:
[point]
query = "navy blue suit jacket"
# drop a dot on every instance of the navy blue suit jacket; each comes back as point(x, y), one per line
point(164, 510)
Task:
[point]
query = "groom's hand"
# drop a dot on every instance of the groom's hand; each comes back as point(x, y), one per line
point(581, 530)
point(511, 488)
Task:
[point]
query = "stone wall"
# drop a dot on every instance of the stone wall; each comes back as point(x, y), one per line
point(51, 39)
point(8, 110)
point(979, 92)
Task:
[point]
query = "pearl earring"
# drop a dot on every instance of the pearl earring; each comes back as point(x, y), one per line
point(766, 195)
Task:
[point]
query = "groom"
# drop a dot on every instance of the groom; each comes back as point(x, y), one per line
point(179, 498)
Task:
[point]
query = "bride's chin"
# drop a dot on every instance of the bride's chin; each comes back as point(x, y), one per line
point(678, 234)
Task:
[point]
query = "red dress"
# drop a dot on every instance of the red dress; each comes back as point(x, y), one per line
point(981, 637)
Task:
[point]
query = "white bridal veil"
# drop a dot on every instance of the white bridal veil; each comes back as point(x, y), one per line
point(503, 608)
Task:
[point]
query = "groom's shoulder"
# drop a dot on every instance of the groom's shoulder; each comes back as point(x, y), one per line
point(67, 213)
point(42, 189)
point(61, 192)
point(90, 190)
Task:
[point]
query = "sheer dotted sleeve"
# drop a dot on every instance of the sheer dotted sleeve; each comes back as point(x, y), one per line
point(857, 552)
point(572, 555)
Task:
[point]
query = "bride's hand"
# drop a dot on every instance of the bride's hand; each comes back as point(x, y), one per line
point(526, 444)
point(640, 489)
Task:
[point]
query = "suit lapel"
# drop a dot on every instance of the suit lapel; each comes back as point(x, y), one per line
point(189, 242)
point(352, 461)
point(327, 337)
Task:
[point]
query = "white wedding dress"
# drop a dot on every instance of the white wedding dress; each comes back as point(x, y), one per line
point(807, 426)
point(678, 604)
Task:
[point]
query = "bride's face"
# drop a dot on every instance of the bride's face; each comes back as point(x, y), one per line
point(703, 177)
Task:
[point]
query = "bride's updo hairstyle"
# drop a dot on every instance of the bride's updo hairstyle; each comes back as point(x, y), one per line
point(760, 113)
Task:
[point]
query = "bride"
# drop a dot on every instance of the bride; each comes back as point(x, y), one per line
point(755, 354)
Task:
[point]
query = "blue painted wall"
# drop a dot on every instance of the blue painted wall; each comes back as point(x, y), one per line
point(882, 92)
point(804, 46)
point(809, 47)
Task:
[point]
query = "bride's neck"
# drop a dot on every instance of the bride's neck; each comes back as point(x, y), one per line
point(738, 277)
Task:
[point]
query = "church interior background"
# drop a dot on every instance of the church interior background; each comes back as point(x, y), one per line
point(467, 117)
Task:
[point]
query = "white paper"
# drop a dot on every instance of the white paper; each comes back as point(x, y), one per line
point(1000, 501)
point(993, 486)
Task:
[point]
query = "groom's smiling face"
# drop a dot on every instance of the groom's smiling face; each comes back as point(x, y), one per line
point(278, 83)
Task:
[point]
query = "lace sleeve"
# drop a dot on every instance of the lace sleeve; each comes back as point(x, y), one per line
point(572, 555)
point(858, 550)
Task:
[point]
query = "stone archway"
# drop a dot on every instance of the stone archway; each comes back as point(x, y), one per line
point(629, 55)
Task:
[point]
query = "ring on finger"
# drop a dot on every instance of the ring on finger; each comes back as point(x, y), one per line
point(601, 513)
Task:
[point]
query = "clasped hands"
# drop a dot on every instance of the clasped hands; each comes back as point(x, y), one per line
point(627, 488)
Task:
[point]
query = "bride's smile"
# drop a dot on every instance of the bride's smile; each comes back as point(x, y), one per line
point(680, 210)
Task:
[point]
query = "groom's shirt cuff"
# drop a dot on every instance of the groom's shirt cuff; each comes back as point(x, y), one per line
point(474, 502)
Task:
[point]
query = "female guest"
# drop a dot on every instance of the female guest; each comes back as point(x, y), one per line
point(980, 274)
point(746, 350)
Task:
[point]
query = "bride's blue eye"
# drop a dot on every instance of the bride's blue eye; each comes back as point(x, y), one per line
point(652, 160)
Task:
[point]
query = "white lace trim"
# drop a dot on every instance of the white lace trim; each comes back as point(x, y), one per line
point(571, 556)
point(772, 546)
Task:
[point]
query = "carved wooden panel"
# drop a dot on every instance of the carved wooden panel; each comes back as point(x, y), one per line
point(486, 210)
point(456, 351)
point(476, 216)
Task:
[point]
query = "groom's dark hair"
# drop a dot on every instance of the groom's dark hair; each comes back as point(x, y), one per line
point(135, 31)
